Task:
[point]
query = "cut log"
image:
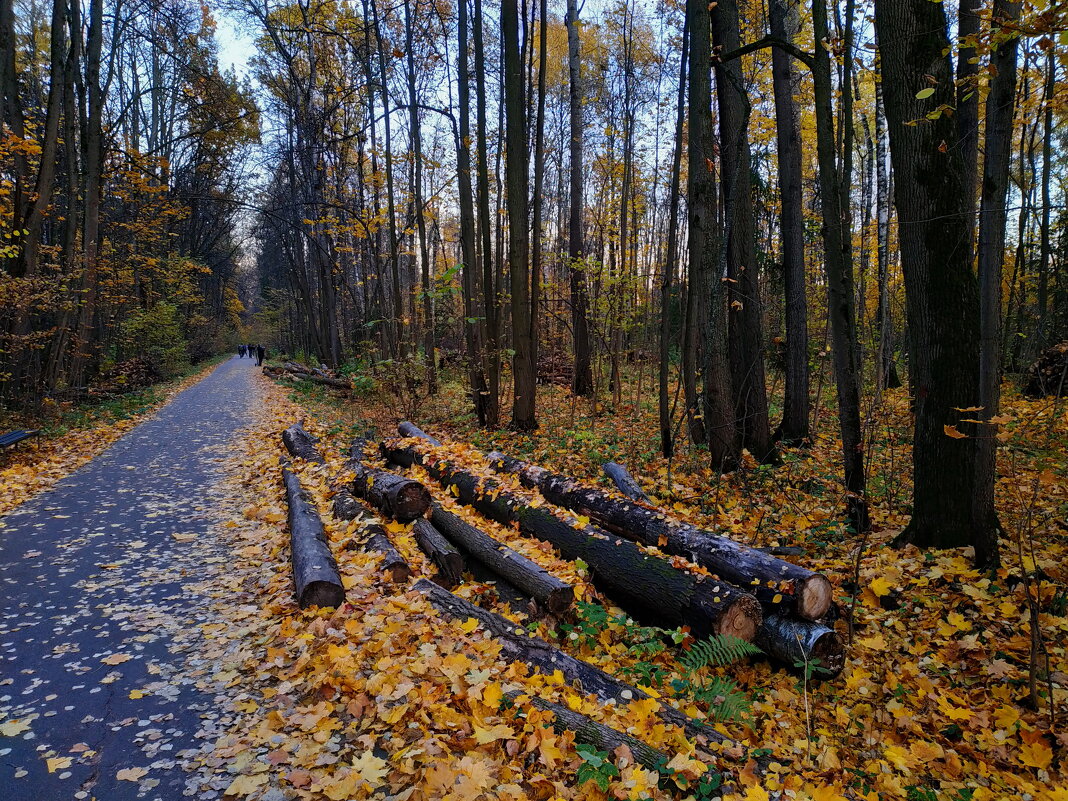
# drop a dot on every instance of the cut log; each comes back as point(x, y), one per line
point(373, 537)
point(649, 587)
point(302, 373)
point(301, 444)
point(441, 552)
point(549, 591)
point(791, 641)
point(589, 731)
point(517, 645)
point(395, 496)
point(407, 429)
point(346, 507)
point(624, 481)
point(780, 585)
point(315, 576)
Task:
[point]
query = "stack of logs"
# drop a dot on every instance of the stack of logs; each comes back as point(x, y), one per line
point(637, 556)
point(316, 375)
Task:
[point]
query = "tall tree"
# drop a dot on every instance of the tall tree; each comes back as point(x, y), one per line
point(941, 291)
point(993, 216)
point(517, 179)
point(786, 80)
point(745, 343)
point(582, 382)
point(718, 417)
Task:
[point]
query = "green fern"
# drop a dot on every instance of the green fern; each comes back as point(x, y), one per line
point(725, 700)
point(717, 651)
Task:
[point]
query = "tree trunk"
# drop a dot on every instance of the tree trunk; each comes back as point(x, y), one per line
point(315, 576)
point(441, 552)
point(800, 643)
point(532, 651)
point(671, 255)
point(776, 583)
point(476, 357)
point(492, 355)
point(838, 255)
point(745, 339)
point(941, 291)
point(516, 176)
point(624, 481)
point(582, 380)
point(718, 412)
point(1046, 250)
point(886, 374)
point(1000, 110)
point(549, 591)
point(301, 444)
point(650, 587)
point(786, 82)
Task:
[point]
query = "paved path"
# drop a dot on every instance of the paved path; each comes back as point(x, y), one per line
point(99, 600)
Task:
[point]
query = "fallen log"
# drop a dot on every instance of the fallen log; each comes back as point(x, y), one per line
point(517, 645)
point(374, 538)
point(315, 576)
point(589, 731)
point(779, 585)
point(549, 591)
point(301, 444)
point(302, 373)
point(649, 587)
point(797, 643)
point(395, 496)
point(346, 507)
point(624, 481)
point(441, 552)
point(407, 429)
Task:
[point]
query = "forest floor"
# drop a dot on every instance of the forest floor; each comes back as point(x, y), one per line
point(384, 698)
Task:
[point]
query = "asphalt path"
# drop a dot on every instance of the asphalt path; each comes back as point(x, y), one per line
point(105, 596)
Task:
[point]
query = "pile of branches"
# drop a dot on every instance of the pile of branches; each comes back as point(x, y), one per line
point(555, 367)
point(1049, 374)
point(126, 376)
point(294, 371)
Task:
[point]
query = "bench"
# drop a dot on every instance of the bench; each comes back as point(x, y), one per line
point(15, 437)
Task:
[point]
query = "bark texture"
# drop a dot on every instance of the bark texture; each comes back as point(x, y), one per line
point(315, 577)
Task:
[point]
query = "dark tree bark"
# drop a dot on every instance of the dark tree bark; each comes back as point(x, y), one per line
point(792, 641)
point(671, 255)
point(315, 577)
point(441, 552)
point(476, 361)
point(776, 583)
point(301, 444)
point(407, 429)
point(786, 81)
point(936, 253)
point(967, 102)
point(718, 417)
point(745, 341)
point(624, 481)
point(395, 496)
point(886, 373)
point(549, 591)
point(582, 380)
point(492, 355)
point(519, 647)
point(650, 587)
point(838, 256)
point(993, 216)
point(516, 178)
point(1046, 250)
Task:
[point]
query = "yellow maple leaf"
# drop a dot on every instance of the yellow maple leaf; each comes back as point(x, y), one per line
point(925, 751)
point(1036, 754)
point(58, 763)
point(958, 621)
point(755, 793)
point(897, 755)
point(13, 728)
point(370, 768)
point(501, 731)
point(133, 775)
point(1006, 717)
point(951, 431)
point(880, 586)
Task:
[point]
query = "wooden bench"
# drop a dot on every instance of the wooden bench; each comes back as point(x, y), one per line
point(15, 437)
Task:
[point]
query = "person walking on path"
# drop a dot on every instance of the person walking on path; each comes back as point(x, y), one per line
point(261, 354)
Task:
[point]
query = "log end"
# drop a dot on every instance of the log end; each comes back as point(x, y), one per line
point(322, 593)
point(411, 502)
point(741, 619)
point(815, 595)
point(830, 651)
point(560, 599)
